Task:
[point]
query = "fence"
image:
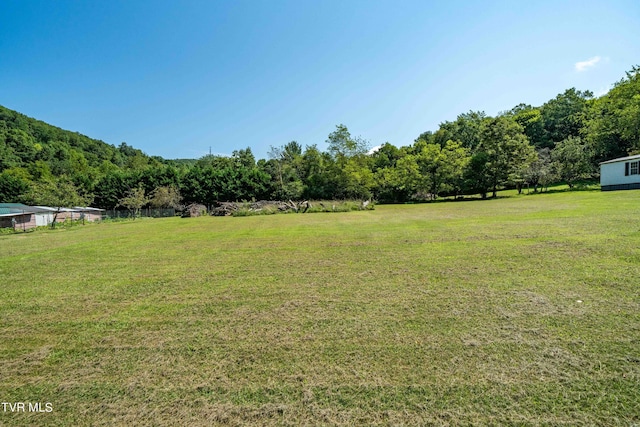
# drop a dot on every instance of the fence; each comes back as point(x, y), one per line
point(145, 212)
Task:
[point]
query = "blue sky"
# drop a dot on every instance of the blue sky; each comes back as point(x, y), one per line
point(175, 78)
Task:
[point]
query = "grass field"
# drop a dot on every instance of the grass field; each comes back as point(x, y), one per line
point(521, 311)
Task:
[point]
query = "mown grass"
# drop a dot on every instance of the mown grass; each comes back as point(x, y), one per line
point(516, 311)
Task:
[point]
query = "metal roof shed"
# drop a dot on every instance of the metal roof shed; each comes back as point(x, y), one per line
point(18, 220)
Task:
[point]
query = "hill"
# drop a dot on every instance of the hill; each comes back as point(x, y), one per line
point(25, 141)
point(32, 152)
point(561, 141)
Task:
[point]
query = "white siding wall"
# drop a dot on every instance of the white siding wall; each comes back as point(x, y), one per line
point(613, 174)
point(43, 219)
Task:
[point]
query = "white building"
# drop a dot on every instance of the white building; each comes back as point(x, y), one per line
point(620, 174)
point(39, 216)
point(45, 214)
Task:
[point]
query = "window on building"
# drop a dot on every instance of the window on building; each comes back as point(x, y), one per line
point(633, 168)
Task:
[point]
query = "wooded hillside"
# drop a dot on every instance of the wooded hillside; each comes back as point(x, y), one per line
point(561, 140)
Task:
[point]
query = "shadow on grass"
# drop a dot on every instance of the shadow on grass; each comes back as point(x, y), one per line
point(562, 187)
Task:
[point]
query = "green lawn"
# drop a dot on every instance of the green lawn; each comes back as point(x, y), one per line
point(521, 310)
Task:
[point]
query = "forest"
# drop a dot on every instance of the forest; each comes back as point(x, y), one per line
point(562, 140)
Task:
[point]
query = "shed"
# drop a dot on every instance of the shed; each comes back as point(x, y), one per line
point(13, 210)
point(18, 220)
point(76, 213)
point(90, 214)
point(6, 207)
point(45, 214)
point(620, 174)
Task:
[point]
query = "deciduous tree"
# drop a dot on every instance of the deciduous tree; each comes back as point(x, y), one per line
point(166, 197)
point(506, 148)
point(134, 200)
point(614, 126)
point(571, 161)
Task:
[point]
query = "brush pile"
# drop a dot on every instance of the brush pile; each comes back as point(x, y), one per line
point(262, 206)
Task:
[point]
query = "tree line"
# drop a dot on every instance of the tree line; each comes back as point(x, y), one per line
point(562, 140)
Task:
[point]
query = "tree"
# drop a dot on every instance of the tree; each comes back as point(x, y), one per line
point(400, 182)
point(564, 116)
point(134, 200)
point(59, 193)
point(386, 156)
point(40, 171)
point(539, 172)
point(287, 162)
point(342, 146)
point(478, 176)
point(244, 158)
point(457, 160)
point(315, 172)
point(571, 160)
point(349, 173)
point(530, 119)
point(198, 185)
point(614, 126)
point(8, 158)
point(165, 197)
point(14, 183)
point(506, 148)
point(441, 167)
point(22, 144)
point(465, 129)
point(359, 179)
point(291, 152)
point(114, 186)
